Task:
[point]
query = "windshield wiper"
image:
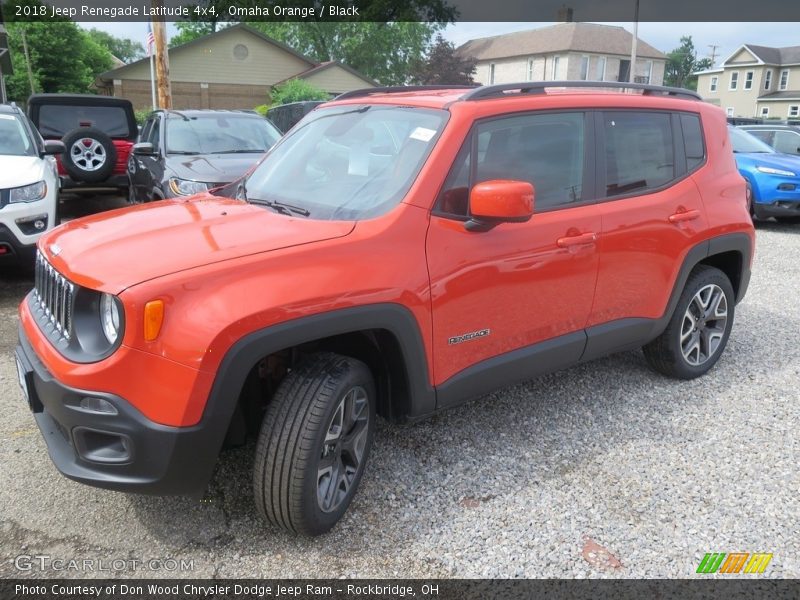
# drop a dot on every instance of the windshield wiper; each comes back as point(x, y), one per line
point(281, 207)
point(186, 152)
point(245, 151)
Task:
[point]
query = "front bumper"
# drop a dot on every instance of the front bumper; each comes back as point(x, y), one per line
point(124, 451)
point(12, 251)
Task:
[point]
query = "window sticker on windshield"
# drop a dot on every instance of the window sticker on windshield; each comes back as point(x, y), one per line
point(422, 134)
point(358, 163)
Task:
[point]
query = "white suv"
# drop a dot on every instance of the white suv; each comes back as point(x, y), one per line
point(29, 186)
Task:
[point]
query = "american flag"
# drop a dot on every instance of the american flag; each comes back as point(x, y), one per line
point(151, 39)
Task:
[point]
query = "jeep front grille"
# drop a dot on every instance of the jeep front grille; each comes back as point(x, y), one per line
point(54, 294)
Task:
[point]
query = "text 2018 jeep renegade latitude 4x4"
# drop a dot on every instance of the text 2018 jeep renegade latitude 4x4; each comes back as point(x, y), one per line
point(398, 252)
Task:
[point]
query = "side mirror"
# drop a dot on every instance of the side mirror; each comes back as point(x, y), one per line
point(54, 147)
point(143, 149)
point(499, 201)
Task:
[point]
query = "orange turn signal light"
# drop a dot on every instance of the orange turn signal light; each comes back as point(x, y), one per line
point(153, 318)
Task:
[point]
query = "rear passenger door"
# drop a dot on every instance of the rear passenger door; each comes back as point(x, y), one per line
point(652, 213)
point(518, 284)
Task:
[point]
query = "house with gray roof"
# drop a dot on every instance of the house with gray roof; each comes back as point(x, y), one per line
point(566, 51)
point(755, 81)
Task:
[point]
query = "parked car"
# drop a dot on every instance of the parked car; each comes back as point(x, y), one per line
point(181, 153)
point(28, 186)
point(782, 138)
point(98, 133)
point(773, 179)
point(347, 276)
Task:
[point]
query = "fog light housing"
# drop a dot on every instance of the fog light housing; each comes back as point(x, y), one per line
point(98, 405)
point(32, 225)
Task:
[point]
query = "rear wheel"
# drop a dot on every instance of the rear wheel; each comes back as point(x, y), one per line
point(698, 329)
point(314, 443)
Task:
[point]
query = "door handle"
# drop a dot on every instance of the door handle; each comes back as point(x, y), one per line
point(576, 240)
point(688, 215)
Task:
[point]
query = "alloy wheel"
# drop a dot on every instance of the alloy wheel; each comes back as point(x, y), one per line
point(88, 154)
point(703, 325)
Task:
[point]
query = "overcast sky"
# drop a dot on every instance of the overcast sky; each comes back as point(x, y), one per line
point(663, 36)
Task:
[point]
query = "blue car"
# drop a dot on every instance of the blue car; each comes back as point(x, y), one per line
point(773, 178)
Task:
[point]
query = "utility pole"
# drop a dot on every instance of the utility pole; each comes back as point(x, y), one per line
point(163, 87)
point(713, 53)
point(27, 60)
point(632, 76)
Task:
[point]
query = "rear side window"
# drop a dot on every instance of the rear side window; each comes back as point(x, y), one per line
point(639, 152)
point(55, 120)
point(692, 140)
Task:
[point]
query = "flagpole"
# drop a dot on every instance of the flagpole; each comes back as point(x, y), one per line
point(150, 44)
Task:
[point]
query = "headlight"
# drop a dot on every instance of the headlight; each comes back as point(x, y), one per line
point(184, 187)
point(772, 171)
point(28, 193)
point(109, 317)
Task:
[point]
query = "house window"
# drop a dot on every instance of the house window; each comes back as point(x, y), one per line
point(765, 111)
point(648, 72)
point(714, 82)
point(556, 61)
point(729, 111)
point(530, 69)
point(748, 80)
point(734, 80)
point(784, 79)
point(767, 80)
point(584, 68)
point(794, 111)
point(600, 69)
point(491, 74)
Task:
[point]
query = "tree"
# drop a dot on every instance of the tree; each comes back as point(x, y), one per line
point(383, 42)
point(52, 68)
point(682, 62)
point(443, 66)
point(296, 90)
point(124, 49)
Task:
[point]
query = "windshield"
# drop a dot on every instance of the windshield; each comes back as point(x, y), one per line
point(14, 139)
point(347, 162)
point(220, 134)
point(744, 142)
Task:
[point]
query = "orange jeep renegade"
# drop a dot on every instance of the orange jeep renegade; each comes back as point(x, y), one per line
point(399, 251)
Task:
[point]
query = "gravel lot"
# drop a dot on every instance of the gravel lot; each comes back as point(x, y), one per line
point(604, 470)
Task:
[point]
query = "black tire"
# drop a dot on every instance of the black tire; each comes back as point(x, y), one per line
point(289, 452)
point(749, 199)
point(666, 353)
point(788, 220)
point(96, 169)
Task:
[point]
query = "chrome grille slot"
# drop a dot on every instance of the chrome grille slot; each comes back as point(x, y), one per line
point(54, 293)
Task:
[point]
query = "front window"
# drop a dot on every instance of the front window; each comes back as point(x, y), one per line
point(746, 143)
point(734, 80)
point(714, 81)
point(748, 80)
point(14, 140)
point(767, 80)
point(219, 134)
point(784, 83)
point(346, 162)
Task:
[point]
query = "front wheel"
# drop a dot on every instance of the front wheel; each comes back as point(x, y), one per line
point(314, 443)
point(699, 328)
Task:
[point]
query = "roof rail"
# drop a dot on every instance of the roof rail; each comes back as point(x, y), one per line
point(539, 87)
point(396, 89)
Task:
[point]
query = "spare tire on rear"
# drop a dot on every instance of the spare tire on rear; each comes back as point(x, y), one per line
point(90, 155)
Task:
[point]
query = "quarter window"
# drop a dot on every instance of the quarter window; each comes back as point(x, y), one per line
point(154, 134)
point(692, 140)
point(639, 154)
point(787, 142)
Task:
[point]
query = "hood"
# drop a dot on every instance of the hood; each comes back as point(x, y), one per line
point(212, 168)
point(16, 171)
point(787, 162)
point(117, 249)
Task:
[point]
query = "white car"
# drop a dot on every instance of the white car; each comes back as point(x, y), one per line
point(29, 186)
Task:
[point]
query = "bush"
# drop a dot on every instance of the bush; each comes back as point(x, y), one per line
point(296, 90)
point(262, 109)
point(141, 115)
